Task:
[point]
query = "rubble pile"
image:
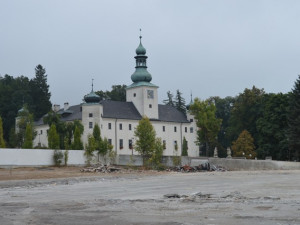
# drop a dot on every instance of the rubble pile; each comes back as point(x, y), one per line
point(100, 169)
point(200, 168)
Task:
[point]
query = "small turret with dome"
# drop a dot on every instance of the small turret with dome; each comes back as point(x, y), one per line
point(141, 74)
point(92, 97)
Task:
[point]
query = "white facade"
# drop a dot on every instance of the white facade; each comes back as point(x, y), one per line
point(145, 100)
point(118, 126)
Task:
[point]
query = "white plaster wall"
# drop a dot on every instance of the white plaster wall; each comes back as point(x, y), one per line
point(193, 149)
point(42, 135)
point(137, 100)
point(169, 136)
point(142, 102)
point(151, 113)
point(97, 111)
point(36, 157)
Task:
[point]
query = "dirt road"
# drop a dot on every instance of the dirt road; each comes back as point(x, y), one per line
point(227, 198)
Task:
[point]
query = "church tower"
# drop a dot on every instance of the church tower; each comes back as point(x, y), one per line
point(141, 92)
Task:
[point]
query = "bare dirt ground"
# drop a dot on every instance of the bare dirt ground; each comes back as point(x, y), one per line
point(227, 198)
point(25, 173)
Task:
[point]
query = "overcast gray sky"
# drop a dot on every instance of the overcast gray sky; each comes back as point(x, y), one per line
point(212, 48)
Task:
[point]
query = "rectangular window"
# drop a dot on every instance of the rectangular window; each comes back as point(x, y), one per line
point(90, 125)
point(90, 114)
point(185, 129)
point(175, 145)
point(109, 141)
point(130, 144)
point(191, 130)
point(120, 126)
point(41, 132)
point(134, 94)
point(191, 120)
point(175, 129)
point(129, 126)
point(150, 106)
point(164, 128)
point(121, 143)
point(164, 144)
point(109, 126)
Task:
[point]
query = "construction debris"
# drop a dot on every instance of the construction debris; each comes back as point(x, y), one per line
point(203, 167)
point(100, 169)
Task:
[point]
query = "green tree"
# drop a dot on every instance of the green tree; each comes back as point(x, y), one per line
point(145, 144)
point(247, 109)
point(40, 92)
point(207, 122)
point(77, 144)
point(156, 158)
point(118, 93)
point(53, 138)
point(28, 144)
point(169, 100)
point(180, 102)
point(184, 147)
point(294, 122)
point(24, 118)
point(97, 136)
point(90, 147)
point(2, 142)
point(272, 127)
point(14, 92)
point(244, 146)
point(223, 111)
point(105, 150)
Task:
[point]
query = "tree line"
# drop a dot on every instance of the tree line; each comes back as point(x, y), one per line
point(253, 123)
point(269, 122)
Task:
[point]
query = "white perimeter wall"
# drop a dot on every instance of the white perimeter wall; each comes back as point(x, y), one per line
point(36, 157)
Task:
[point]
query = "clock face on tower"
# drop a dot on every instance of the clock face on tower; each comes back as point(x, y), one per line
point(150, 94)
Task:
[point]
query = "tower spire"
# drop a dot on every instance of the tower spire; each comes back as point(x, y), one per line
point(92, 84)
point(141, 74)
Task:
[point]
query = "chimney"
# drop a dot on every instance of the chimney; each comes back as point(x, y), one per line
point(56, 108)
point(66, 106)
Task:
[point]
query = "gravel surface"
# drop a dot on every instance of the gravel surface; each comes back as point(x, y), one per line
point(227, 198)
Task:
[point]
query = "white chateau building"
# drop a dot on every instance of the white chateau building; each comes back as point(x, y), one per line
point(118, 120)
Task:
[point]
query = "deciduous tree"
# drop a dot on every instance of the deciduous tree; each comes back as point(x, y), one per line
point(272, 127)
point(244, 146)
point(207, 122)
point(145, 143)
point(246, 110)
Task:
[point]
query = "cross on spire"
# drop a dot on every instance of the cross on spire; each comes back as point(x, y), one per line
point(92, 85)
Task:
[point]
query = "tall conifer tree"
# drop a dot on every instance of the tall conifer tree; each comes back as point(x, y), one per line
point(294, 122)
point(40, 92)
point(2, 143)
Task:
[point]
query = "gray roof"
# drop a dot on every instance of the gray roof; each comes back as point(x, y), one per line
point(169, 113)
point(72, 113)
point(122, 110)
